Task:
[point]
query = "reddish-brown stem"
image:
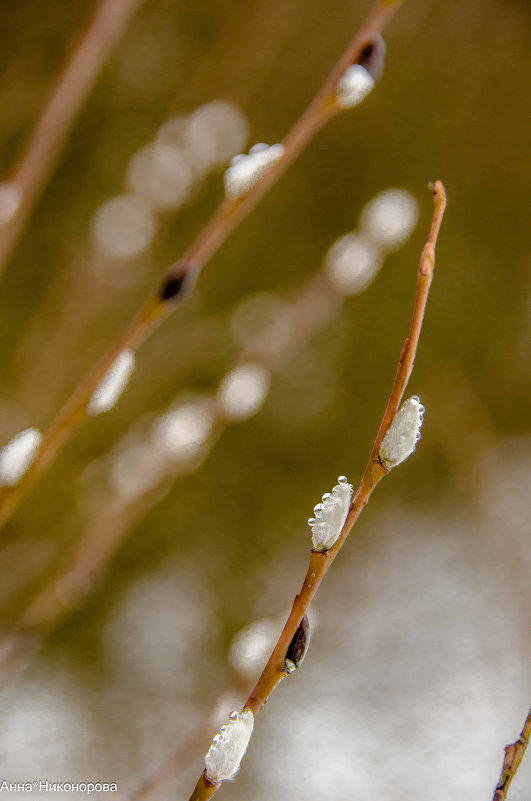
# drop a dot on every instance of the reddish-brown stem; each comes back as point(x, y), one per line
point(205, 788)
point(514, 753)
point(32, 172)
point(229, 214)
point(425, 277)
point(374, 472)
point(82, 566)
point(322, 107)
point(73, 412)
point(275, 669)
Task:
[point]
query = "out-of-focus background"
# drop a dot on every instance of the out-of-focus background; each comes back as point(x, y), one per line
point(418, 670)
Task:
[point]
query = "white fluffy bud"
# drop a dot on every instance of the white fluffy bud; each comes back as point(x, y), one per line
point(228, 747)
point(246, 170)
point(403, 433)
point(111, 387)
point(10, 198)
point(17, 456)
point(354, 86)
point(352, 263)
point(389, 218)
point(330, 515)
point(243, 391)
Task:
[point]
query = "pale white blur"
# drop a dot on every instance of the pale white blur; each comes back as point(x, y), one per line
point(10, 198)
point(389, 219)
point(123, 227)
point(17, 456)
point(251, 646)
point(182, 431)
point(243, 391)
point(352, 263)
point(111, 388)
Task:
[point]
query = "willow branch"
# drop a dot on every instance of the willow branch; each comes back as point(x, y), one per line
point(80, 569)
point(513, 756)
point(30, 176)
point(320, 561)
point(181, 275)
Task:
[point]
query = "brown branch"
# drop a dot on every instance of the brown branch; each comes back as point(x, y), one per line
point(407, 357)
point(313, 305)
point(82, 566)
point(205, 788)
point(181, 275)
point(35, 167)
point(374, 472)
point(275, 669)
point(514, 753)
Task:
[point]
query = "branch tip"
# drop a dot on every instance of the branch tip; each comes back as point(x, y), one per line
point(439, 194)
point(514, 753)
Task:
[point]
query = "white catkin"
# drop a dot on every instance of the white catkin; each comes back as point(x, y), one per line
point(330, 515)
point(389, 218)
point(17, 456)
point(354, 86)
point(182, 431)
point(243, 391)
point(246, 170)
point(228, 747)
point(10, 197)
point(113, 383)
point(403, 433)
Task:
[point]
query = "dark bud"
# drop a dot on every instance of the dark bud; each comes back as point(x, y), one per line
point(298, 646)
point(372, 56)
point(177, 282)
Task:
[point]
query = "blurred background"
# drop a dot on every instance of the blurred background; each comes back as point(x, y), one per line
point(185, 507)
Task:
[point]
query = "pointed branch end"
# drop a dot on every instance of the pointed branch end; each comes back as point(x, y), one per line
point(439, 195)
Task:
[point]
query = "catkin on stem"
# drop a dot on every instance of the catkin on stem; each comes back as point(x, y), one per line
point(228, 747)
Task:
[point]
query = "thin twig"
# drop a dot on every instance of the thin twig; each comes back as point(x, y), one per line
point(275, 669)
point(229, 214)
point(36, 165)
point(79, 570)
point(514, 753)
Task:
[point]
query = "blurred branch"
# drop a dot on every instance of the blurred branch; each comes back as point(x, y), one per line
point(35, 167)
point(320, 561)
point(308, 311)
point(513, 756)
point(181, 756)
point(173, 765)
point(182, 274)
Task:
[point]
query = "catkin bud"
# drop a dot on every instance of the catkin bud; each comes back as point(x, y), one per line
point(330, 515)
point(228, 747)
point(354, 86)
point(359, 79)
point(298, 646)
point(403, 433)
point(113, 383)
point(372, 57)
point(17, 456)
point(246, 169)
